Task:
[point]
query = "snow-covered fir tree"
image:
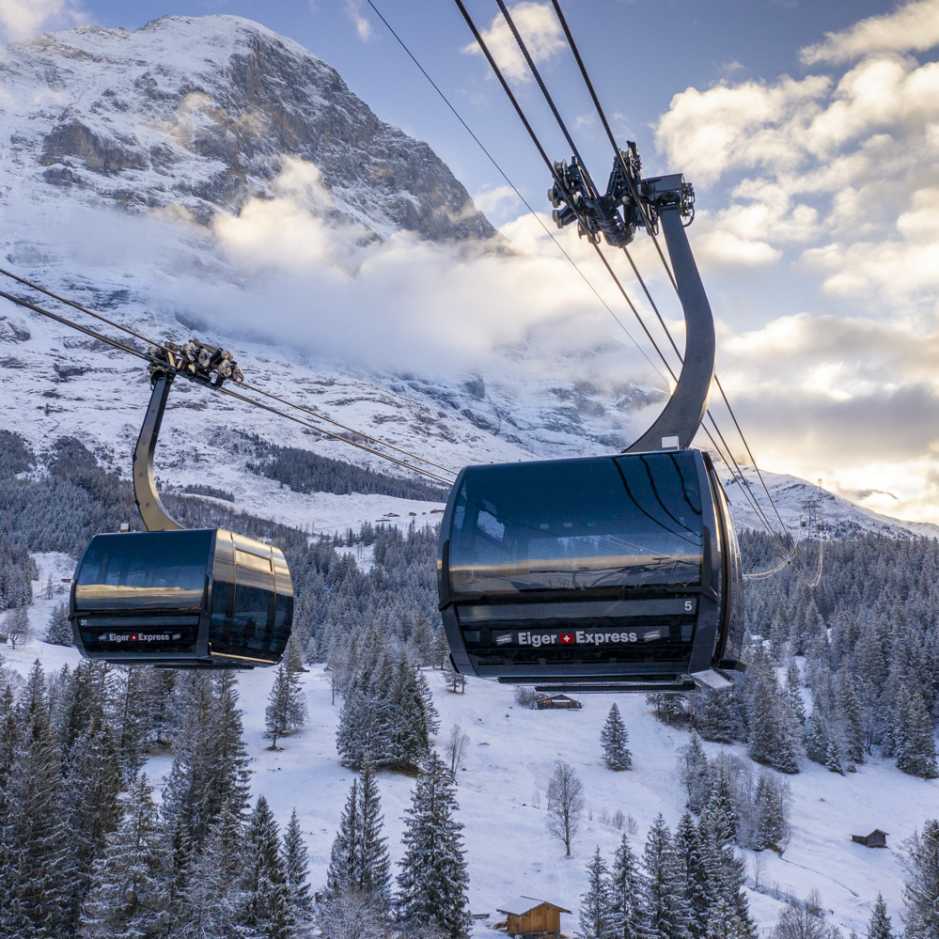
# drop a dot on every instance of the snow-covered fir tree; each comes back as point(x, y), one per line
point(914, 741)
point(880, 925)
point(921, 892)
point(627, 910)
point(267, 909)
point(286, 711)
point(614, 738)
point(59, 628)
point(596, 907)
point(666, 905)
point(359, 862)
point(695, 774)
point(297, 870)
point(127, 895)
point(433, 878)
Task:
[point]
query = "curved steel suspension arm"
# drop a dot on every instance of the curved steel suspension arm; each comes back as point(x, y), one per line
point(152, 511)
point(678, 423)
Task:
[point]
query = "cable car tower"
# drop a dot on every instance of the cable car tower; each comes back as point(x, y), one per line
point(605, 573)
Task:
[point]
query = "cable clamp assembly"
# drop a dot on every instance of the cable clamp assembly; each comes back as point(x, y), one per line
point(198, 361)
point(629, 203)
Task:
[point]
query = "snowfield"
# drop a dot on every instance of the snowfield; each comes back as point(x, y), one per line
point(503, 782)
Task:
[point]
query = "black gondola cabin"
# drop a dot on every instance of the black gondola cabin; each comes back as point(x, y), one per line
point(205, 598)
point(620, 570)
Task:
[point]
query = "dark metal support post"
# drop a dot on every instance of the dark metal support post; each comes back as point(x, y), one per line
point(152, 511)
point(678, 423)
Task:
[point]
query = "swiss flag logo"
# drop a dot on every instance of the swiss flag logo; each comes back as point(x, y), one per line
point(567, 639)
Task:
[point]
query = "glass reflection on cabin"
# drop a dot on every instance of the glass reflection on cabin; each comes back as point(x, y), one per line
point(146, 570)
point(632, 521)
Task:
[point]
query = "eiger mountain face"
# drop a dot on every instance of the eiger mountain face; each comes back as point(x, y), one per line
point(201, 112)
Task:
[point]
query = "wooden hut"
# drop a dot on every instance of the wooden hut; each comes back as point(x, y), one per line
point(530, 918)
point(876, 839)
point(557, 702)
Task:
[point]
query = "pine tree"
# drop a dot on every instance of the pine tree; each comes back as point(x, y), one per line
point(126, 896)
point(666, 905)
point(627, 913)
point(91, 810)
point(720, 812)
point(596, 902)
point(916, 744)
point(130, 720)
point(695, 774)
point(411, 720)
point(724, 923)
point(229, 783)
point(880, 926)
point(771, 825)
point(282, 705)
point(294, 656)
point(433, 878)
point(615, 740)
point(374, 868)
point(716, 716)
point(266, 907)
point(343, 873)
point(297, 870)
point(692, 858)
point(36, 883)
point(59, 630)
point(921, 892)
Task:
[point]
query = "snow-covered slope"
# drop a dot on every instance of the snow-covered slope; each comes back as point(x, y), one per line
point(502, 794)
point(837, 516)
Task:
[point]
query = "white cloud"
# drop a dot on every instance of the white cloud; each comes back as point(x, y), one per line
point(363, 26)
point(540, 30)
point(704, 133)
point(913, 27)
point(23, 19)
point(497, 201)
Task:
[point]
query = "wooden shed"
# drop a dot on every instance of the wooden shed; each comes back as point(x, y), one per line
point(530, 918)
point(876, 839)
point(557, 702)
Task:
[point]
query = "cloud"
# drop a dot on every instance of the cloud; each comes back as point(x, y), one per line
point(540, 30)
point(23, 19)
point(913, 27)
point(704, 133)
point(363, 26)
point(497, 202)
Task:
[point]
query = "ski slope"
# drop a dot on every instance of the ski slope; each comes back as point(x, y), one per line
point(502, 792)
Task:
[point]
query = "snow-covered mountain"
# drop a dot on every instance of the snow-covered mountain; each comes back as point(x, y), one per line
point(127, 157)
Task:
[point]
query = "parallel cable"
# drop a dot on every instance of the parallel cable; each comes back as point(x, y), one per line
point(378, 441)
point(619, 155)
point(147, 357)
point(729, 459)
point(499, 169)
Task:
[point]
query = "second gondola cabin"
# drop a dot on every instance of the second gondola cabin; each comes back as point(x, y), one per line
point(204, 598)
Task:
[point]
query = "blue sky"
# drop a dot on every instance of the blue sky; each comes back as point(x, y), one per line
point(810, 131)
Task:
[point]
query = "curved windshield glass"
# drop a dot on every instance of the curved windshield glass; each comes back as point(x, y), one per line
point(626, 521)
point(144, 570)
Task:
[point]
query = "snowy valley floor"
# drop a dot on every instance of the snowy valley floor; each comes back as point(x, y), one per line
point(502, 792)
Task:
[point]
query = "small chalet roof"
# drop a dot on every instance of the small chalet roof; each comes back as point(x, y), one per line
point(558, 697)
point(519, 906)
